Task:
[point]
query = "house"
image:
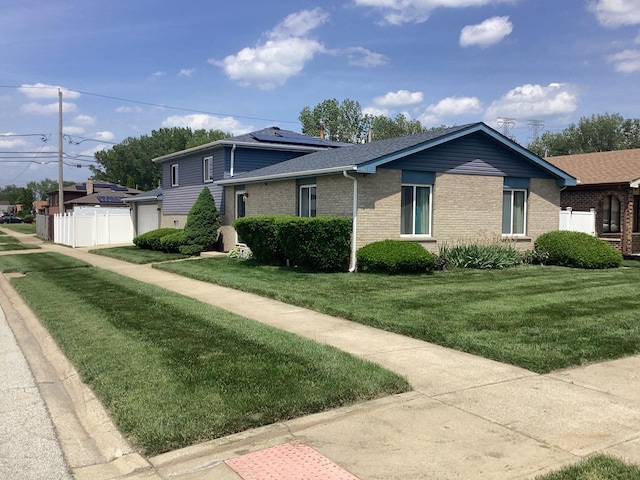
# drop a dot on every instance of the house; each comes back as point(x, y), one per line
point(89, 193)
point(465, 183)
point(5, 207)
point(146, 210)
point(187, 172)
point(608, 182)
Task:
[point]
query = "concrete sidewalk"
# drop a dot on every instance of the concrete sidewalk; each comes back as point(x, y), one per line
point(467, 418)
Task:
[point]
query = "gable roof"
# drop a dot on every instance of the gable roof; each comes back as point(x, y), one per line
point(365, 158)
point(155, 194)
point(615, 167)
point(267, 138)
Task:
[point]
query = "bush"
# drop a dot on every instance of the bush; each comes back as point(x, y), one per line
point(29, 219)
point(485, 257)
point(395, 257)
point(260, 234)
point(241, 253)
point(203, 222)
point(578, 250)
point(172, 242)
point(151, 240)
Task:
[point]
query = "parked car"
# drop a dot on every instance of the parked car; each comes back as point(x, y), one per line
point(10, 219)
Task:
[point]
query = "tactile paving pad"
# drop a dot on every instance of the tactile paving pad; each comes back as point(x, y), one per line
point(289, 461)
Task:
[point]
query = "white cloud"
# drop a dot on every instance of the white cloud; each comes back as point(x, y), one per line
point(615, 13)
point(104, 135)
point(51, 108)
point(282, 56)
point(627, 61)
point(208, 122)
point(129, 109)
point(487, 33)
point(70, 130)
point(450, 107)
point(362, 57)
point(534, 101)
point(186, 72)
point(159, 74)
point(42, 90)
point(399, 98)
point(397, 12)
point(85, 120)
point(374, 111)
point(9, 142)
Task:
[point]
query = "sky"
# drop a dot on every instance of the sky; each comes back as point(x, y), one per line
point(128, 67)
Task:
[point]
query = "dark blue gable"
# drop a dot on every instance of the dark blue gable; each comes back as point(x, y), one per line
point(473, 154)
point(248, 159)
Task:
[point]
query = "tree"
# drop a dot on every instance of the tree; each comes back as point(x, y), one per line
point(43, 187)
point(598, 133)
point(203, 222)
point(129, 163)
point(383, 127)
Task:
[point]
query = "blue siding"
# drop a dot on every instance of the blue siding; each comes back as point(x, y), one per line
point(248, 159)
point(179, 200)
point(475, 154)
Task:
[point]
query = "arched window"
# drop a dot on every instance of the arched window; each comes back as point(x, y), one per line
point(611, 214)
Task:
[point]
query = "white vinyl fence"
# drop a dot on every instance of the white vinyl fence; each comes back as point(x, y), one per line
point(578, 221)
point(93, 226)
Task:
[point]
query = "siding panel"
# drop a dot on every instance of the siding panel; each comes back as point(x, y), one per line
point(179, 200)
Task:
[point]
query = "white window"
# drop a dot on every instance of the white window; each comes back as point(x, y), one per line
point(207, 169)
point(307, 203)
point(514, 212)
point(174, 175)
point(415, 212)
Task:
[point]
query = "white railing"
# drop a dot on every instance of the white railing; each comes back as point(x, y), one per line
point(578, 221)
point(90, 228)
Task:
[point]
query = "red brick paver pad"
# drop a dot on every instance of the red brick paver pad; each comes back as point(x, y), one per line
point(290, 461)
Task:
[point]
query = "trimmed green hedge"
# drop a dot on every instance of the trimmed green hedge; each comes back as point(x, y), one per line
point(395, 257)
point(318, 244)
point(152, 240)
point(172, 242)
point(578, 250)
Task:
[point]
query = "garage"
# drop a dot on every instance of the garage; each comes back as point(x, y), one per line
point(146, 209)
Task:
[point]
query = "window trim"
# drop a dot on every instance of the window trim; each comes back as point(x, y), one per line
point(175, 180)
point(415, 186)
point(207, 169)
point(525, 213)
point(308, 187)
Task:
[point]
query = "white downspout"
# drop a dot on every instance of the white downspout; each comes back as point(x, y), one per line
point(354, 227)
point(233, 159)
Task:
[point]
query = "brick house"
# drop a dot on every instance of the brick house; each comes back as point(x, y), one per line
point(608, 182)
point(465, 183)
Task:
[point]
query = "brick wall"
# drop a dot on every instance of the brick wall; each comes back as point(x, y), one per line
point(273, 198)
point(543, 212)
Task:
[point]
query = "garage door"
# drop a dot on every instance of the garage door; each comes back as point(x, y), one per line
point(147, 218)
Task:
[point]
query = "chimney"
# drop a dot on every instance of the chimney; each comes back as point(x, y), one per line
point(322, 130)
point(89, 186)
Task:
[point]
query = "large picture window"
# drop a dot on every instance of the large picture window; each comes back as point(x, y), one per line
point(415, 210)
point(207, 169)
point(514, 212)
point(307, 204)
point(611, 215)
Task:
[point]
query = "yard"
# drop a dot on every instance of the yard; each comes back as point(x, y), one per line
point(539, 318)
point(173, 371)
point(7, 242)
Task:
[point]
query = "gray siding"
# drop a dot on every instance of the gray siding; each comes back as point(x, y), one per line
point(179, 200)
point(249, 159)
point(475, 154)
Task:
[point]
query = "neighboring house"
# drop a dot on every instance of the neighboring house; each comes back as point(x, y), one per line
point(465, 183)
point(146, 210)
point(5, 207)
point(187, 172)
point(90, 193)
point(39, 206)
point(608, 182)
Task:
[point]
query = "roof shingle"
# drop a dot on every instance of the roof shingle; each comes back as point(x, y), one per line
point(619, 166)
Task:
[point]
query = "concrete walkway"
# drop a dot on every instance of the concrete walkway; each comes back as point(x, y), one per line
point(467, 417)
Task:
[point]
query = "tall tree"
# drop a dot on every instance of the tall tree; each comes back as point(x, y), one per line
point(129, 163)
point(385, 127)
point(598, 133)
point(40, 189)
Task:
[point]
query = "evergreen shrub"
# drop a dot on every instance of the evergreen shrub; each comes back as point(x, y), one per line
point(151, 240)
point(260, 234)
point(395, 257)
point(578, 250)
point(171, 243)
point(203, 222)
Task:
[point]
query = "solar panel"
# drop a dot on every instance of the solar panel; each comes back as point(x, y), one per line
point(119, 188)
point(102, 185)
point(81, 187)
point(296, 140)
point(109, 199)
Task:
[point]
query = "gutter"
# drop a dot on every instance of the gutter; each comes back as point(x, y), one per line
point(286, 176)
point(233, 159)
point(354, 228)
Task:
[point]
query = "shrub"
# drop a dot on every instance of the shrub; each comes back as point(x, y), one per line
point(203, 222)
point(260, 234)
point(319, 243)
point(29, 219)
point(395, 257)
point(241, 253)
point(485, 257)
point(151, 240)
point(578, 250)
point(172, 242)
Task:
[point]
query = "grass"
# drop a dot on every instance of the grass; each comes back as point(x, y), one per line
point(539, 318)
point(598, 467)
point(28, 228)
point(133, 254)
point(8, 242)
point(173, 371)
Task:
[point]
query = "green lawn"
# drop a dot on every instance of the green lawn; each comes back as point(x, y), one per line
point(598, 467)
point(8, 242)
point(540, 318)
point(133, 254)
point(173, 371)
point(20, 227)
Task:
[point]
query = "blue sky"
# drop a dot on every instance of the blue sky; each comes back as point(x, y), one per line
point(127, 67)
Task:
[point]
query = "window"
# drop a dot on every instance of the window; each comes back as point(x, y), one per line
point(514, 212)
point(174, 175)
point(636, 213)
point(415, 210)
point(307, 204)
point(207, 169)
point(611, 215)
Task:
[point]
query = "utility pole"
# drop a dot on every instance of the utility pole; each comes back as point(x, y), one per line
point(60, 180)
